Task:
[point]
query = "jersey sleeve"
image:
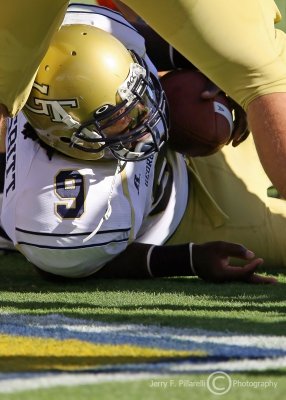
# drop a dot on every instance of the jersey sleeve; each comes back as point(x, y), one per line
point(108, 20)
point(233, 42)
point(112, 22)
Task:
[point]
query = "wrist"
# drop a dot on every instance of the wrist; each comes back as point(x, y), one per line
point(168, 261)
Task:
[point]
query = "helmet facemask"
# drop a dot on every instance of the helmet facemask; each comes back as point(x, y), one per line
point(136, 127)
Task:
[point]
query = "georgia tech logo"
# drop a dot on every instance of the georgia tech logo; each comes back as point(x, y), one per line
point(49, 107)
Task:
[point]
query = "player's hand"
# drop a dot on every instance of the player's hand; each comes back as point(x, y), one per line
point(240, 130)
point(211, 261)
point(210, 91)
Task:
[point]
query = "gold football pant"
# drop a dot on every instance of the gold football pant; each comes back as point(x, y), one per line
point(229, 201)
point(26, 29)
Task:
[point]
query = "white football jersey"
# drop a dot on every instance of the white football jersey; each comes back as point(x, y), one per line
point(70, 217)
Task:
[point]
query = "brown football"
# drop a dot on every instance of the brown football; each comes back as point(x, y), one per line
point(198, 127)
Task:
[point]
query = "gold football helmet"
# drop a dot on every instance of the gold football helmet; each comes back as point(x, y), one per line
point(92, 96)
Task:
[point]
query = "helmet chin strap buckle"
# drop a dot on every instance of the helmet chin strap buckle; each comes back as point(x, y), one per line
point(65, 117)
point(73, 124)
point(140, 149)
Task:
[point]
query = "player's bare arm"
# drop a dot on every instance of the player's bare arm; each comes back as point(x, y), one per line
point(209, 261)
point(267, 120)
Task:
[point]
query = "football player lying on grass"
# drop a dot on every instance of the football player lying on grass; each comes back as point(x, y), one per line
point(92, 188)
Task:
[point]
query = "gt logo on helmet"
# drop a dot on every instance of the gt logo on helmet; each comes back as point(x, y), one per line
point(49, 107)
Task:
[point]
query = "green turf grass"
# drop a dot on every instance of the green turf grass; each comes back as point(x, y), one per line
point(177, 388)
point(180, 302)
point(187, 302)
